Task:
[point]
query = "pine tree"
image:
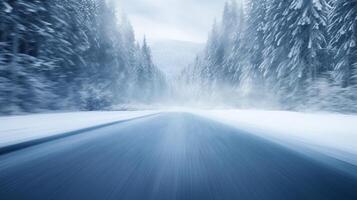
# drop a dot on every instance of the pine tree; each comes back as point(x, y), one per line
point(295, 39)
point(343, 30)
point(254, 37)
point(22, 69)
point(64, 54)
point(211, 68)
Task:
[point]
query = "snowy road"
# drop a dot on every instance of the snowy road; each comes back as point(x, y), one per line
point(171, 156)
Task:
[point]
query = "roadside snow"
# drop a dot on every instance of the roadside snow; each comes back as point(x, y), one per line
point(331, 134)
point(17, 129)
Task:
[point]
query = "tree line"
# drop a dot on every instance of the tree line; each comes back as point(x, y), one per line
point(71, 55)
point(291, 54)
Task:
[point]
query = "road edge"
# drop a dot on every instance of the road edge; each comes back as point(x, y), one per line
point(26, 144)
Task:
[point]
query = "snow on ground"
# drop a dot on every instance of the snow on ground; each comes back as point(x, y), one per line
point(331, 134)
point(17, 129)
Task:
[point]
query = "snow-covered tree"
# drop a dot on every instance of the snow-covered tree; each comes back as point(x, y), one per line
point(23, 70)
point(343, 31)
point(254, 39)
point(277, 51)
point(295, 39)
point(211, 69)
point(64, 54)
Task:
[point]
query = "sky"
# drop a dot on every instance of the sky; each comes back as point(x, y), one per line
point(184, 20)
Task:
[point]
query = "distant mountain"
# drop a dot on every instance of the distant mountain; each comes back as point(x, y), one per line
point(171, 56)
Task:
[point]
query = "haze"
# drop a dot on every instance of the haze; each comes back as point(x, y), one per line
point(184, 20)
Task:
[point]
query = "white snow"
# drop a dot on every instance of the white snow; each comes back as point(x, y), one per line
point(8, 8)
point(331, 134)
point(17, 129)
point(334, 135)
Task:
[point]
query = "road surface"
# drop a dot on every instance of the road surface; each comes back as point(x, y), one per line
point(169, 156)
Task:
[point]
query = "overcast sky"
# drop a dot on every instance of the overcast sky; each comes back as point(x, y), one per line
point(187, 20)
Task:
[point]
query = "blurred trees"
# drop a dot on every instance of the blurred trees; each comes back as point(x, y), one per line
point(70, 54)
point(294, 54)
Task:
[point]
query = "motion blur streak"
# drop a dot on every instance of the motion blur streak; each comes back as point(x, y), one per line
point(169, 156)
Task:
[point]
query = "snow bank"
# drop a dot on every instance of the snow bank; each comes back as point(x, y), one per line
point(332, 134)
point(17, 129)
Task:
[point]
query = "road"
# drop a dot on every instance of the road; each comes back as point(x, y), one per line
point(169, 156)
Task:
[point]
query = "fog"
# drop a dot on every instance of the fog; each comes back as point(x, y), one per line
point(186, 20)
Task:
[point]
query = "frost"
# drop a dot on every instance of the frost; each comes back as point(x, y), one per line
point(317, 4)
point(8, 8)
point(297, 4)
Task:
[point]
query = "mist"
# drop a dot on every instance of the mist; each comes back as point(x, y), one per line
point(99, 57)
point(178, 99)
point(182, 20)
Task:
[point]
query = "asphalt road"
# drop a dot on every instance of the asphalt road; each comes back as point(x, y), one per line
point(169, 156)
